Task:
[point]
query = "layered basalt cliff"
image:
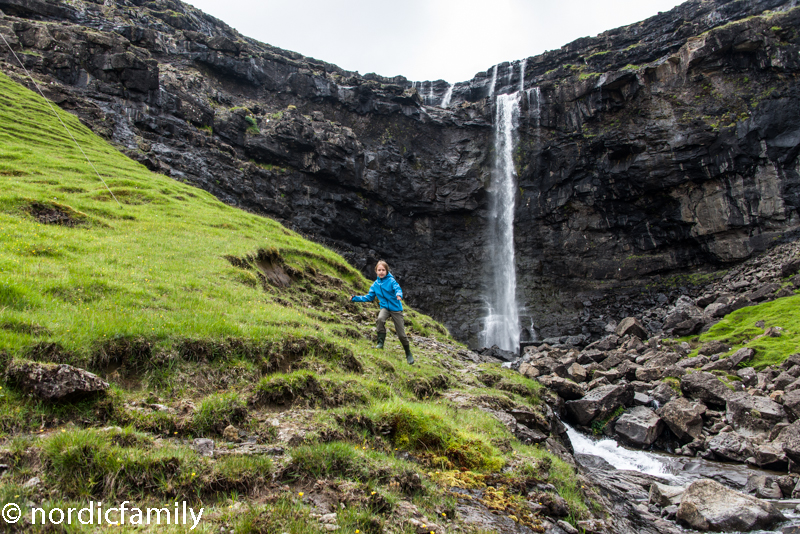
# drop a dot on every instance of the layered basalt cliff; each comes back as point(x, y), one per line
point(644, 152)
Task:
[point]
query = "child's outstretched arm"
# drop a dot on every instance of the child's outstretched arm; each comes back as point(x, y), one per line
point(369, 297)
point(397, 291)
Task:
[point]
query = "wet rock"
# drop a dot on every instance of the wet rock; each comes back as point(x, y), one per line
point(764, 486)
point(662, 394)
point(684, 418)
point(55, 382)
point(708, 505)
point(751, 415)
point(599, 403)
point(705, 387)
point(770, 457)
point(664, 495)
point(731, 446)
point(630, 326)
point(566, 389)
point(639, 426)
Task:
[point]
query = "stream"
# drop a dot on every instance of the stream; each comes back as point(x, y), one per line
point(675, 470)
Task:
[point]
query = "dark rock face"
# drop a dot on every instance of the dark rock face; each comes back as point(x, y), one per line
point(55, 382)
point(647, 150)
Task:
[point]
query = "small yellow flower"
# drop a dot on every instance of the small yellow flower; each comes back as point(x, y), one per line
point(300, 494)
point(357, 531)
point(373, 493)
point(444, 514)
point(62, 430)
point(193, 473)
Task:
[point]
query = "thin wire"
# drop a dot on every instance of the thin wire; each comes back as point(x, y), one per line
point(59, 119)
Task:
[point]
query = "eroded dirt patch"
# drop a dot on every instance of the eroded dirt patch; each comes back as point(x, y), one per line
point(54, 213)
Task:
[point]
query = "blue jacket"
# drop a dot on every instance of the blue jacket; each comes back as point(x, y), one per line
point(387, 290)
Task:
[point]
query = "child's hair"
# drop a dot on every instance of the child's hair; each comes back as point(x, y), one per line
point(381, 262)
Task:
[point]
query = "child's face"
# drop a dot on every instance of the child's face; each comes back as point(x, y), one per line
point(381, 271)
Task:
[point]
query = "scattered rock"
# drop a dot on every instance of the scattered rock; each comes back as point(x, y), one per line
point(683, 418)
point(600, 403)
point(203, 446)
point(639, 426)
point(630, 326)
point(55, 382)
point(708, 505)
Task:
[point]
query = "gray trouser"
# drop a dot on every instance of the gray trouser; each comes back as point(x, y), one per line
point(399, 325)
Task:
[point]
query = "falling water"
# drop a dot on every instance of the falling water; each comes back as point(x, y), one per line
point(447, 96)
point(502, 321)
point(522, 74)
point(431, 95)
point(494, 81)
point(534, 95)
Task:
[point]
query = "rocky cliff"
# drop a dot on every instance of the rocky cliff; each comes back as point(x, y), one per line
point(646, 152)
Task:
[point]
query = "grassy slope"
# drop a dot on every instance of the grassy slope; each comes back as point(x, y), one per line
point(143, 294)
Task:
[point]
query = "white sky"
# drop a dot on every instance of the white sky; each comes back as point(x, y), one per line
point(425, 39)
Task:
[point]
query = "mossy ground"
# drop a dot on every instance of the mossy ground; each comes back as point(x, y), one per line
point(201, 316)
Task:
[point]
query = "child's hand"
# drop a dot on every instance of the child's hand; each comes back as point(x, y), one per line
point(399, 297)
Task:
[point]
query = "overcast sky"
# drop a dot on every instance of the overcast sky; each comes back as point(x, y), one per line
point(426, 39)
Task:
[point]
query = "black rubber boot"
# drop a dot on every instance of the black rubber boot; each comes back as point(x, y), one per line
point(409, 357)
point(381, 339)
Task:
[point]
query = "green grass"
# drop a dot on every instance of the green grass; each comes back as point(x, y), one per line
point(739, 330)
point(154, 269)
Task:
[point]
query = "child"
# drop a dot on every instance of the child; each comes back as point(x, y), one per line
point(390, 298)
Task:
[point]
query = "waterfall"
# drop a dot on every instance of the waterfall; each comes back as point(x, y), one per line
point(431, 95)
point(447, 96)
point(502, 322)
point(522, 74)
point(494, 81)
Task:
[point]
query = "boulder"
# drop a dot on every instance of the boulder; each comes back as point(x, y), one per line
point(684, 418)
point(731, 446)
point(528, 371)
point(649, 374)
point(751, 414)
point(764, 292)
point(708, 505)
point(663, 495)
point(769, 456)
point(764, 486)
point(55, 382)
point(748, 376)
point(639, 426)
point(605, 344)
point(564, 388)
point(630, 326)
point(599, 403)
point(722, 364)
point(693, 363)
point(791, 405)
point(577, 372)
point(741, 355)
point(790, 267)
point(705, 387)
point(713, 347)
point(783, 380)
point(789, 441)
point(662, 394)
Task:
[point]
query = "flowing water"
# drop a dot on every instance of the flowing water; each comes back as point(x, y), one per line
point(447, 96)
point(502, 321)
point(677, 470)
point(522, 74)
point(494, 81)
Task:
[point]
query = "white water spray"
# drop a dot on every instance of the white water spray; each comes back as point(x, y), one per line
point(502, 321)
point(522, 74)
point(431, 95)
point(494, 81)
point(447, 96)
point(619, 457)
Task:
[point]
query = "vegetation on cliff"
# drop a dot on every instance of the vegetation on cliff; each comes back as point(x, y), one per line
point(209, 322)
